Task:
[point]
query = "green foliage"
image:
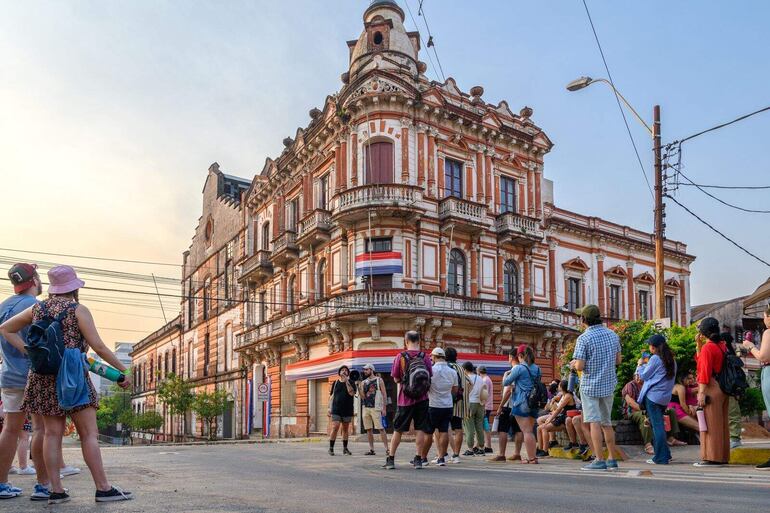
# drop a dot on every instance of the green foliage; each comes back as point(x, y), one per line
point(176, 394)
point(112, 407)
point(751, 403)
point(210, 405)
point(148, 421)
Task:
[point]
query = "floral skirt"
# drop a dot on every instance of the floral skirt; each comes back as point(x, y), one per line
point(40, 396)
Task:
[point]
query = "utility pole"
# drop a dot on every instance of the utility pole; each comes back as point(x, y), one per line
point(660, 226)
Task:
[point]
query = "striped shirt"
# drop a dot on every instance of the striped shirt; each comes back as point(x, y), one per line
point(459, 407)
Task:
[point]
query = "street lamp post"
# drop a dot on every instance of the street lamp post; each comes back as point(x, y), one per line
point(660, 207)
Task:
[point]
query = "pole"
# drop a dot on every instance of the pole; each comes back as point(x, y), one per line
point(660, 227)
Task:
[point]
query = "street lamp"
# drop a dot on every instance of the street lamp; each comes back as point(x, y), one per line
point(584, 82)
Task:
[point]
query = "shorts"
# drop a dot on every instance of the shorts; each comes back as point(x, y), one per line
point(505, 421)
point(456, 423)
point(523, 410)
point(340, 418)
point(439, 419)
point(417, 412)
point(597, 409)
point(372, 418)
point(12, 399)
point(678, 410)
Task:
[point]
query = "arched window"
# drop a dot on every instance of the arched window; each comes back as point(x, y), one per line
point(266, 236)
point(456, 272)
point(228, 346)
point(173, 360)
point(290, 295)
point(511, 282)
point(378, 157)
point(165, 364)
point(321, 279)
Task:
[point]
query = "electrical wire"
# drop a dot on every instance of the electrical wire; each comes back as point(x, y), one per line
point(723, 202)
point(617, 99)
point(432, 64)
point(431, 43)
point(733, 187)
point(741, 118)
point(91, 257)
point(728, 239)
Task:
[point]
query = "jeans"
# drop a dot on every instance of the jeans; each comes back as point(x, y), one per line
point(655, 413)
point(473, 425)
point(766, 386)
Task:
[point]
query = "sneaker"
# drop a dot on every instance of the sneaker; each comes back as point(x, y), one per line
point(370, 453)
point(58, 498)
point(595, 465)
point(9, 492)
point(488, 450)
point(569, 446)
point(478, 452)
point(552, 444)
point(347, 452)
point(612, 465)
point(735, 443)
point(425, 462)
point(455, 459)
point(707, 464)
point(390, 463)
point(541, 453)
point(441, 462)
point(417, 462)
point(41, 493)
point(583, 450)
point(27, 471)
point(13, 470)
point(763, 466)
point(469, 453)
point(331, 451)
point(113, 495)
point(69, 471)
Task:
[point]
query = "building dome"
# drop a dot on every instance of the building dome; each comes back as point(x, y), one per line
point(384, 42)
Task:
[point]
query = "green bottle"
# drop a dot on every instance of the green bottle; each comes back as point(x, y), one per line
point(104, 370)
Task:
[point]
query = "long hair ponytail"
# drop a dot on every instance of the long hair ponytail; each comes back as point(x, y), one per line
point(664, 353)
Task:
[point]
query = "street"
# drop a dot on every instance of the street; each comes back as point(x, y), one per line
point(301, 477)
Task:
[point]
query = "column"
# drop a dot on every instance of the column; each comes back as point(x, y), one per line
point(344, 161)
point(496, 204)
point(421, 157)
point(522, 200)
point(283, 297)
point(353, 160)
point(683, 307)
point(552, 301)
point(311, 279)
point(488, 177)
point(441, 192)
point(479, 175)
point(432, 163)
point(600, 279)
point(442, 254)
point(631, 294)
point(469, 183)
point(276, 214)
point(307, 192)
point(475, 249)
point(405, 123)
point(339, 172)
point(530, 192)
point(344, 260)
point(527, 279)
point(500, 278)
point(538, 194)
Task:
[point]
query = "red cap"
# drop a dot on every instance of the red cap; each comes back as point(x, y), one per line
point(22, 276)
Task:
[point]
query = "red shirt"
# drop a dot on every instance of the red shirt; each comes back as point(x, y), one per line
point(710, 361)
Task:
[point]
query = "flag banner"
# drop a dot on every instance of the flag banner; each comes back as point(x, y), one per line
point(381, 262)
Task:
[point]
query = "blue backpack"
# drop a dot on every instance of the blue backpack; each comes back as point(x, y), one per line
point(45, 342)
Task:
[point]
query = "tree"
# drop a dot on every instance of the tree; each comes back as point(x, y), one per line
point(112, 407)
point(176, 394)
point(210, 405)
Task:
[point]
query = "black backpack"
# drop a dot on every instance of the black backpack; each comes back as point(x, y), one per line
point(45, 342)
point(732, 378)
point(416, 378)
point(538, 396)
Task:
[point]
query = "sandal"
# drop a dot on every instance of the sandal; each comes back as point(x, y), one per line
point(533, 461)
point(649, 449)
point(676, 443)
point(370, 453)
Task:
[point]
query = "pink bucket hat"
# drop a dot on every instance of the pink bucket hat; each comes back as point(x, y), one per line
point(63, 279)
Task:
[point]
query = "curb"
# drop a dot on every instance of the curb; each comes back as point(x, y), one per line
point(226, 442)
point(749, 456)
point(573, 454)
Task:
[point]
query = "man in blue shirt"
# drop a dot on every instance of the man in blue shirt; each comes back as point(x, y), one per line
point(13, 380)
point(597, 355)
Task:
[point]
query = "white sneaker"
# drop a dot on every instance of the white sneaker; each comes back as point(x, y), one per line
point(69, 471)
point(434, 461)
point(14, 470)
point(27, 471)
point(455, 459)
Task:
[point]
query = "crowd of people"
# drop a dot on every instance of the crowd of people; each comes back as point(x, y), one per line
point(31, 398)
point(442, 400)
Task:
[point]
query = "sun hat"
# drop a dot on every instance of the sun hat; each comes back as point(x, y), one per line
point(22, 276)
point(63, 279)
point(438, 351)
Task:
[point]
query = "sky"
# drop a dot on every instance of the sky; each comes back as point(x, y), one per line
point(111, 113)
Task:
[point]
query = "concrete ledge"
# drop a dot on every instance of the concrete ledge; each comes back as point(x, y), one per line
point(749, 455)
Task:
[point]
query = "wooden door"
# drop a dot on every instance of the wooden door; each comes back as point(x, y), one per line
point(321, 396)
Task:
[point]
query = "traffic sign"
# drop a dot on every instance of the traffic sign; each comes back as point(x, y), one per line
point(263, 392)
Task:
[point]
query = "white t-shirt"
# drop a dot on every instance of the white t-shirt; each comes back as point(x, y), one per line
point(476, 383)
point(441, 383)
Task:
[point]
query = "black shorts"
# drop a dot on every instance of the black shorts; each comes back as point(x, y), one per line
point(504, 421)
point(406, 414)
point(456, 423)
point(439, 419)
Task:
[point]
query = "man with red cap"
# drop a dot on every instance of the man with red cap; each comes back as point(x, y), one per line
point(13, 380)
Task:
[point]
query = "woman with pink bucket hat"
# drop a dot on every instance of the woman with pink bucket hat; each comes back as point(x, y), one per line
point(40, 397)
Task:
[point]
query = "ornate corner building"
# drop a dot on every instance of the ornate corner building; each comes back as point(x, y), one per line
point(410, 204)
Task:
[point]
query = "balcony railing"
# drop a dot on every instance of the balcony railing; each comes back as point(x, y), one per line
point(519, 228)
point(386, 197)
point(257, 265)
point(413, 302)
point(315, 226)
point(462, 210)
point(285, 248)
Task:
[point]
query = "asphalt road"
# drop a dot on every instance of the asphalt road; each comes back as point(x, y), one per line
point(301, 477)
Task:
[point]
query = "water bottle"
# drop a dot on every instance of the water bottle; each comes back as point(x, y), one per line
point(702, 427)
point(104, 370)
point(572, 382)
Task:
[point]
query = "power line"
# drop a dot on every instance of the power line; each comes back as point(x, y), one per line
point(91, 257)
point(6, 259)
point(741, 118)
point(617, 99)
point(723, 202)
point(732, 187)
point(431, 43)
point(432, 64)
point(728, 239)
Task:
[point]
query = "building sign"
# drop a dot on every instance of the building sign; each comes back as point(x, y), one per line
point(263, 392)
point(381, 262)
